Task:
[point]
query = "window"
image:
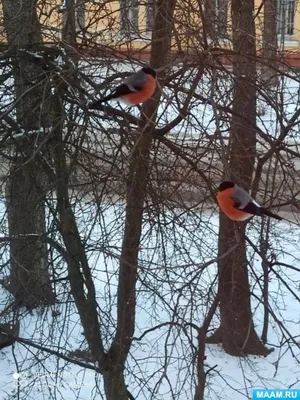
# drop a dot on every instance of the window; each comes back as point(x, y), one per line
point(73, 16)
point(150, 14)
point(222, 14)
point(285, 17)
point(129, 17)
point(80, 14)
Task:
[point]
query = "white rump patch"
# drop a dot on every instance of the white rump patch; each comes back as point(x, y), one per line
point(256, 203)
point(125, 101)
point(245, 217)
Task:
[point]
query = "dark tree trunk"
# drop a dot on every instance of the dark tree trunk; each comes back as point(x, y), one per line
point(269, 55)
point(137, 184)
point(201, 374)
point(114, 384)
point(236, 331)
point(29, 280)
point(26, 184)
point(80, 276)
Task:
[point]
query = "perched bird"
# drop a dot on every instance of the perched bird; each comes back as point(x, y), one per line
point(136, 89)
point(238, 205)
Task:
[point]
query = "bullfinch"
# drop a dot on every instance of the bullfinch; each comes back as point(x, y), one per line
point(136, 89)
point(238, 205)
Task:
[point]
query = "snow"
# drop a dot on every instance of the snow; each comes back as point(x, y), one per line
point(34, 132)
point(171, 289)
point(200, 121)
point(35, 55)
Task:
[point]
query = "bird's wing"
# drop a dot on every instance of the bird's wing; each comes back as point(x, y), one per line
point(121, 90)
point(136, 81)
point(252, 208)
point(240, 197)
point(236, 201)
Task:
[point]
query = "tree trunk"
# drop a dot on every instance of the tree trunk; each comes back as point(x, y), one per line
point(29, 280)
point(114, 385)
point(137, 184)
point(26, 184)
point(79, 271)
point(201, 374)
point(268, 69)
point(236, 330)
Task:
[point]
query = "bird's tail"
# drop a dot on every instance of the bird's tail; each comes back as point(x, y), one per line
point(268, 213)
point(95, 105)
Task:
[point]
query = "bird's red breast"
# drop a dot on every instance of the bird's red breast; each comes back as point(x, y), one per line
point(143, 94)
point(226, 203)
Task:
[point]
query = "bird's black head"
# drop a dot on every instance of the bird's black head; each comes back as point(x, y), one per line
point(149, 71)
point(225, 185)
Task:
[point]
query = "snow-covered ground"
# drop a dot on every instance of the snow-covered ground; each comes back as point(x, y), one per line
point(172, 288)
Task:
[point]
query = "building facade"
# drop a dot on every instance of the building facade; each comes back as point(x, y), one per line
point(127, 24)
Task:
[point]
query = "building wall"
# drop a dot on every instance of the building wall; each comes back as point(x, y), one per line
point(101, 21)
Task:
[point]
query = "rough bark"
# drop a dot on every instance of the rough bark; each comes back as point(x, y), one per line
point(29, 279)
point(137, 183)
point(236, 331)
point(269, 50)
point(26, 184)
point(81, 282)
